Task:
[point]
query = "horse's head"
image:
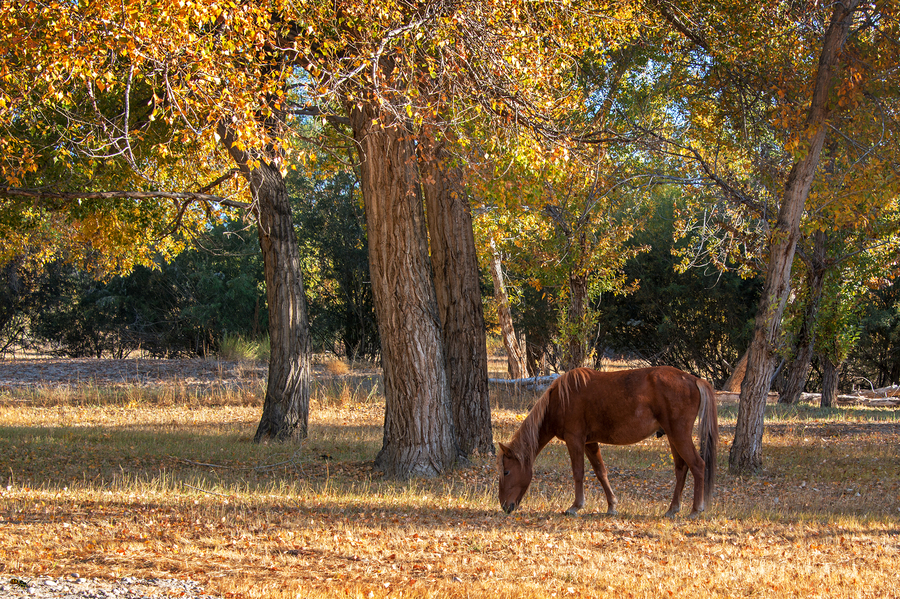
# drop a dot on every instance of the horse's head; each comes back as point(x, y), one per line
point(514, 478)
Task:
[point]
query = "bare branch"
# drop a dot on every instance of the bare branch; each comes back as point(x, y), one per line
point(318, 112)
point(213, 184)
point(133, 195)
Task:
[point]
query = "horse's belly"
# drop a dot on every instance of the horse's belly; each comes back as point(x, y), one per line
point(623, 437)
point(634, 432)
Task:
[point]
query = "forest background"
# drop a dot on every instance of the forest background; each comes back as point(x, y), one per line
point(666, 182)
point(209, 301)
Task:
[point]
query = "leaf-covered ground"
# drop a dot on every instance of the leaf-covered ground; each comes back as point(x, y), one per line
point(170, 485)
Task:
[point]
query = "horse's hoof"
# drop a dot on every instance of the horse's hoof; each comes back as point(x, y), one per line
point(571, 512)
point(694, 515)
point(612, 512)
point(671, 514)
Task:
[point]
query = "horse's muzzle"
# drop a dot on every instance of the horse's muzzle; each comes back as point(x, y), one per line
point(508, 507)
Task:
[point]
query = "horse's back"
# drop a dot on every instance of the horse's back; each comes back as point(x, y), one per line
point(626, 406)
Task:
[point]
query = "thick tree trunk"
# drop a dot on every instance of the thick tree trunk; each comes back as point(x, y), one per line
point(515, 358)
point(418, 424)
point(806, 336)
point(831, 376)
point(285, 414)
point(456, 282)
point(746, 451)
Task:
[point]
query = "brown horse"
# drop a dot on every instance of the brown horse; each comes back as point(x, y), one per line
point(584, 408)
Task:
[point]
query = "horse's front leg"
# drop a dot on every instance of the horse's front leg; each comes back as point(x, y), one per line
point(593, 454)
point(576, 454)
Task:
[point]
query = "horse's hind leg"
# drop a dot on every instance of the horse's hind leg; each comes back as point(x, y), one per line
point(680, 475)
point(686, 457)
point(576, 454)
point(593, 453)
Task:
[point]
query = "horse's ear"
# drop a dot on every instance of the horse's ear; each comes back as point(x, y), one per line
point(505, 450)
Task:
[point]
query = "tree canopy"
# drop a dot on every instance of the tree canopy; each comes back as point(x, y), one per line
point(123, 122)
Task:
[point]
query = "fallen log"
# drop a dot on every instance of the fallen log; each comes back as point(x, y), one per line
point(861, 400)
point(892, 391)
point(733, 397)
point(855, 399)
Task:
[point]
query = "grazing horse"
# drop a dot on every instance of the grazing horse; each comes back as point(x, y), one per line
point(585, 407)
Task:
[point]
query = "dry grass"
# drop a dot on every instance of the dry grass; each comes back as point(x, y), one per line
point(336, 367)
point(136, 485)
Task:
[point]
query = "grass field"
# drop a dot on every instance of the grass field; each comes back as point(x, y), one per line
point(167, 483)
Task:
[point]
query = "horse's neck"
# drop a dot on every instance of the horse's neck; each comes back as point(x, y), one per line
point(529, 444)
point(545, 435)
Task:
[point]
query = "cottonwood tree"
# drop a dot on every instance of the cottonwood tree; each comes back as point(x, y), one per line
point(799, 96)
point(417, 72)
point(455, 265)
point(178, 96)
point(851, 223)
point(131, 119)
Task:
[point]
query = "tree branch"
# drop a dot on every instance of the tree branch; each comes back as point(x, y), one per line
point(133, 195)
point(332, 119)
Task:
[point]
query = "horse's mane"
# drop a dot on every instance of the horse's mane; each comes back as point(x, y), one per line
point(524, 442)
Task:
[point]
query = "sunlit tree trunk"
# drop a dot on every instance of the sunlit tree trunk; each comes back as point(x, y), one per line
point(285, 414)
point(286, 406)
point(746, 451)
point(456, 281)
point(515, 357)
point(419, 438)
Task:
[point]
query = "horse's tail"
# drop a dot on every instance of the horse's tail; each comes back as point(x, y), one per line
point(709, 436)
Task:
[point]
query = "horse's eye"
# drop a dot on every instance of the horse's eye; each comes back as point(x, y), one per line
point(506, 473)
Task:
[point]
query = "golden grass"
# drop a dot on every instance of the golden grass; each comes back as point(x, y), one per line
point(336, 367)
point(138, 486)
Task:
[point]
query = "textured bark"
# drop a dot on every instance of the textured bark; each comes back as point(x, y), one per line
point(285, 414)
point(806, 336)
point(515, 358)
point(418, 427)
point(286, 407)
point(831, 376)
point(456, 282)
point(746, 451)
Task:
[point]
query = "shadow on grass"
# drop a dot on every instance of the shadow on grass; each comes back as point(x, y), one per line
point(859, 451)
point(61, 456)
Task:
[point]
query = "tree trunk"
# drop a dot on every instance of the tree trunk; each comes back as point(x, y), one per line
point(746, 451)
point(418, 424)
point(286, 407)
point(515, 358)
point(733, 384)
point(285, 414)
point(806, 337)
point(575, 335)
point(831, 376)
point(456, 282)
